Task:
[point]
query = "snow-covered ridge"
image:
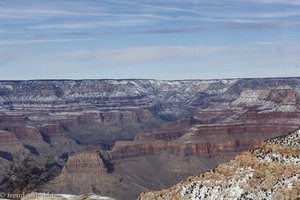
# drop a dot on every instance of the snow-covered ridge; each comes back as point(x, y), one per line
point(251, 96)
point(222, 189)
point(292, 140)
point(161, 96)
point(176, 98)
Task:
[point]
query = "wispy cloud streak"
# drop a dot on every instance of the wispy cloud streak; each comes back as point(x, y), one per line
point(24, 41)
point(142, 54)
point(139, 15)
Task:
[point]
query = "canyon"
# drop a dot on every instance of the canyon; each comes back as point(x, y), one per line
point(120, 138)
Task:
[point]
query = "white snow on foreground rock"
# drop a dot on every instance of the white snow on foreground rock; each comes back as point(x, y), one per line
point(221, 189)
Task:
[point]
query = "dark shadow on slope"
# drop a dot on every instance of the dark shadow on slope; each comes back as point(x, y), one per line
point(46, 138)
point(6, 155)
point(32, 149)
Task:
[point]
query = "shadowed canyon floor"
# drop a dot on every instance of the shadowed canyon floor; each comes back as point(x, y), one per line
point(119, 138)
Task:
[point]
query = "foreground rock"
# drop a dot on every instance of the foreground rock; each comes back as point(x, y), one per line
point(272, 171)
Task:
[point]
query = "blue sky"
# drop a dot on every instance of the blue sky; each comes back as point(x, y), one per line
point(160, 39)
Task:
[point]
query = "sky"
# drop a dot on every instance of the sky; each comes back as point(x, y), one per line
point(149, 39)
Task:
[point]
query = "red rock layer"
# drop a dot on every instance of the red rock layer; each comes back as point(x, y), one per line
point(52, 130)
point(201, 140)
point(89, 162)
point(7, 137)
point(28, 133)
point(209, 140)
point(9, 142)
point(129, 150)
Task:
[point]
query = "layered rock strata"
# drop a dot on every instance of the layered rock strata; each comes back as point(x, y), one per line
point(269, 172)
point(192, 125)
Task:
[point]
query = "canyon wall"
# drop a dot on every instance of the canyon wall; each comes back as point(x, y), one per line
point(193, 124)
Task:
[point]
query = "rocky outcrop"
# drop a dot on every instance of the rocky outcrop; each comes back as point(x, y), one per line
point(85, 163)
point(8, 138)
point(284, 96)
point(28, 133)
point(9, 142)
point(269, 172)
point(52, 130)
point(134, 149)
point(85, 173)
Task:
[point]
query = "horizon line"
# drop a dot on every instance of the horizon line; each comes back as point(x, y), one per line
point(122, 79)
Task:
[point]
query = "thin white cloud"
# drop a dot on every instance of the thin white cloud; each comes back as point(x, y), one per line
point(293, 2)
point(93, 25)
point(164, 8)
point(18, 13)
point(104, 18)
point(142, 54)
point(261, 52)
point(260, 59)
point(222, 13)
point(21, 42)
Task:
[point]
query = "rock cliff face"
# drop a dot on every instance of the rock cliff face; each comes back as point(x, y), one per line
point(86, 173)
point(193, 125)
point(269, 172)
point(216, 139)
point(9, 142)
point(8, 138)
point(28, 133)
point(85, 163)
point(192, 139)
